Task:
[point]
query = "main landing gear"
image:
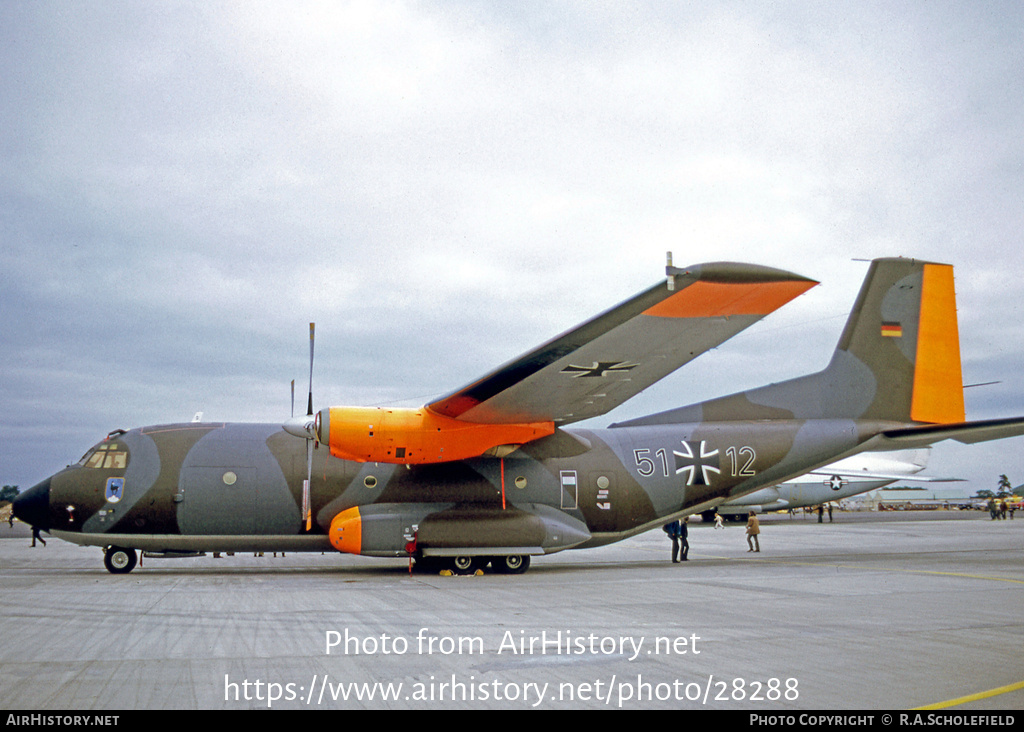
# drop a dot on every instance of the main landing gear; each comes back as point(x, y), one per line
point(119, 560)
point(509, 564)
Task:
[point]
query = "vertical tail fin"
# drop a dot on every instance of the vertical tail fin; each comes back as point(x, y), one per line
point(898, 360)
point(939, 382)
point(903, 329)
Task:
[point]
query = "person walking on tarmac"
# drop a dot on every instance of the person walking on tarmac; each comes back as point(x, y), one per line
point(674, 529)
point(753, 529)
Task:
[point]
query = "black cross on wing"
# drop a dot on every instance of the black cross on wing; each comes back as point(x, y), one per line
point(598, 368)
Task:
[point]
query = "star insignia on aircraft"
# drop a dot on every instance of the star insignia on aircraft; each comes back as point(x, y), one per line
point(835, 482)
point(598, 368)
point(696, 464)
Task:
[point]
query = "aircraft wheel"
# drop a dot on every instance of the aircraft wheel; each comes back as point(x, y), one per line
point(120, 561)
point(467, 564)
point(511, 564)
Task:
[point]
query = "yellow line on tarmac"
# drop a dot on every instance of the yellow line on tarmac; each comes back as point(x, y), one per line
point(938, 705)
point(962, 574)
point(885, 569)
point(946, 574)
point(974, 697)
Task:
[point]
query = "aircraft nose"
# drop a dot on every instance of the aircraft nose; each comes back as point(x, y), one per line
point(33, 506)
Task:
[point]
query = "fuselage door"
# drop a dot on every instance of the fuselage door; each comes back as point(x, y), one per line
point(218, 500)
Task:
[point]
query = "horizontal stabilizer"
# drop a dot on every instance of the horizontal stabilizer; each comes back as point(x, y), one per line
point(968, 433)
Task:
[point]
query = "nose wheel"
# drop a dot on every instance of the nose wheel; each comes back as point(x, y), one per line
point(119, 560)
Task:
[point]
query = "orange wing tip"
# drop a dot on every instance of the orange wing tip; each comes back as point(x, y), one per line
point(722, 299)
point(346, 533)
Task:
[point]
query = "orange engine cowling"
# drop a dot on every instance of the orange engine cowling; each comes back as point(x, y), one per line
point(416, 436)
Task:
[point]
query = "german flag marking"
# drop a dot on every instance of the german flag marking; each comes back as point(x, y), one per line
point(892, 330)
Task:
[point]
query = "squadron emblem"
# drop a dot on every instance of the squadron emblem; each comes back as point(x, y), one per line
point(115, 489)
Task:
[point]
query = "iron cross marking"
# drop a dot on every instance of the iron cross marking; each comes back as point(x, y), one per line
point(696, 464)
point(599, 368)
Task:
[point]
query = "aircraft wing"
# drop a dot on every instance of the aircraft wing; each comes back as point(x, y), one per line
point(598, 365)
point(860, 475)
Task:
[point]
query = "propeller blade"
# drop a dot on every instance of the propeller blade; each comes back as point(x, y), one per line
point(305, 426)
point(306, 512)
point(309, 408)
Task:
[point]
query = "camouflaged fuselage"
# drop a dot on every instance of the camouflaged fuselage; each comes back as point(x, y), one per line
point(205, 487)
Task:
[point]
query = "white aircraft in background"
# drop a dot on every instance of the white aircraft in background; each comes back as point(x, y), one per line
point(842, 479)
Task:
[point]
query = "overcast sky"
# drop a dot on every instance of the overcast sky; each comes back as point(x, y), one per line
point(443, 186)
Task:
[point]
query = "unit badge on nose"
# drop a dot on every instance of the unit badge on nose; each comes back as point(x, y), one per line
point(115, 489)
point(696, 463)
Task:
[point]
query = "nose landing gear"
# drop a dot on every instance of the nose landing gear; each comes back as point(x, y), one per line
point(119, 560)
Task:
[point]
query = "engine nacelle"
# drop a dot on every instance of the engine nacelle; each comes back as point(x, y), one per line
point(416, 436)
point(384, 530)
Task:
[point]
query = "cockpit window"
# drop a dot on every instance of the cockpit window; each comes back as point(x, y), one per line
point(109, 457)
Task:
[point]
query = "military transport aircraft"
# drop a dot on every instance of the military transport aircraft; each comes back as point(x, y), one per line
point(491, 474)
point(848, 477)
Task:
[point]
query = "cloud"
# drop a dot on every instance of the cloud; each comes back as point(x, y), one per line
point(444, 186)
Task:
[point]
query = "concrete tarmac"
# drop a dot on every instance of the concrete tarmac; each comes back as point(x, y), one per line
point(871, 612)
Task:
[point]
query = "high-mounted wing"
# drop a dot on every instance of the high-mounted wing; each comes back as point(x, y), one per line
point(600, 364)
point(580, 374)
